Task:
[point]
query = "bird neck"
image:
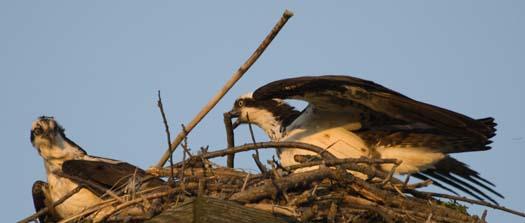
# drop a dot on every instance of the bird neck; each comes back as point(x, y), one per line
point(58, 150)
point(268, 122)
point(272, 128)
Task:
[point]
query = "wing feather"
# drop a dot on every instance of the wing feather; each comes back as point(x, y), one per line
point(326, 92)
point(109, 175)
point(40, 200)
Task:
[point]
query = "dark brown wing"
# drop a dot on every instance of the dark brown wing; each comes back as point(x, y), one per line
point(460, 176)
point(345, 92)
point(407, 136)
point(108, 175)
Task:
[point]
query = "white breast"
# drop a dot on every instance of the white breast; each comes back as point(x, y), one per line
point(326, 133)
point(60, 186)
point(333, 132)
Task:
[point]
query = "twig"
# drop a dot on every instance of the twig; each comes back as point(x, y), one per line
point(92, 209)
point(255, 156)
point(266, 145)
point(185, 148)
point(235, 77)
point(472, 201)
point(245, 182)
point(54, 204)
point(277, 176)
point(184, 144)
point(230, 138)
point(421, 184)
point(361, 203)
point(391, 173)
point(269, 189)
point(168, 135)
point(205, 162)
point(340, 162)
point(138, 200)
point(109, 202)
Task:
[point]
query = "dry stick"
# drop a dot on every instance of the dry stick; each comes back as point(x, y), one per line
point(107, 203)
point(255, 156)
point(361, 203)
point(277, 176)
point(184, 144)
point(269, 187)
point(339, 162)
point(266, 145)
point(138, 200)
point(168, 136)
point(322, 152)
point(391, 173)
point(235, 77)
point(89, 211)
point(56, 203)
point(245, 182)
point(185, 148)
point(472, 201)
point(483, 216)
point(230, 138)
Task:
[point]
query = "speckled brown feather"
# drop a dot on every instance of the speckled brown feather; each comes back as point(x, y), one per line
point(106, 174)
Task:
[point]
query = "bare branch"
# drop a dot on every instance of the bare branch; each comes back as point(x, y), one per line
point(472, 201)
point(230, 138)
point(235, 77)
point(168, 135)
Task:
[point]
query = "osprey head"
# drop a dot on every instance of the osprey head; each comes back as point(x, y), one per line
point(45, 131)
point(267, 114)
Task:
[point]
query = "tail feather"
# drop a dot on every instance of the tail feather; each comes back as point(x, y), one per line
point(434, 182)
point(458, 175)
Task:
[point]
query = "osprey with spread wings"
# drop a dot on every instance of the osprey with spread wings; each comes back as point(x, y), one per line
point(352, 117)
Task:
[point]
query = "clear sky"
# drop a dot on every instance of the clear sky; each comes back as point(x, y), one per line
point(97, 65)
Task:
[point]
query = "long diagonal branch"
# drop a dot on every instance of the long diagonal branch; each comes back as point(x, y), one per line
point(235, 77)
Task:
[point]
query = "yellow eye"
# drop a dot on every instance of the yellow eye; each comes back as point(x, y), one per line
point(240, 103)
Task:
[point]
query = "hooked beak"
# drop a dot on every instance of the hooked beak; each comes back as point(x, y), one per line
point(234, 114)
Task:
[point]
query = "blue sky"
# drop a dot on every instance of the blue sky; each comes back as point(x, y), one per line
point(97, 65)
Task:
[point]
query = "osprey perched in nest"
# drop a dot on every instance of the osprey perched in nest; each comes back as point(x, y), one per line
point(352, 118)
point(66, 164)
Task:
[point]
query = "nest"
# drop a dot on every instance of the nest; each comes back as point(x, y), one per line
point(328, 193)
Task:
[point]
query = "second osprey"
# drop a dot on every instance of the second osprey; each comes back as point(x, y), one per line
point(352, 117)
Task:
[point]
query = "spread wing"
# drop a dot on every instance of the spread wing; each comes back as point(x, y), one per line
point(111, 175)
point(380, 108)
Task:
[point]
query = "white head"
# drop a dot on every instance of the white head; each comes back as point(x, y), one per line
point(48, 137)
point(270, 115)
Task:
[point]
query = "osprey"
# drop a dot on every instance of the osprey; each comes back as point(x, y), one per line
point(63, 158)
point(352, 118)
